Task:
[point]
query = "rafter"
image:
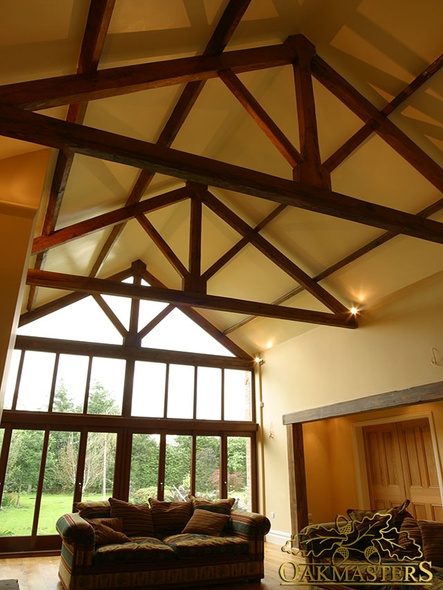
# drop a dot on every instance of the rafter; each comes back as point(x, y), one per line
point(155, 321)
point(244, 241)
point(381, 125)
point(110, 314)
point(62, 302)
point(205, 171)
point(271, 252)
point(368, 247)
point(359, 137)
point(260, 116)
point(138, 268)
point(162, 245)
point(74, 88)
point(223, 32)
point(44, 130)
point(89, 285)
point(99, 17)
point(84, 228)
point(196, 317)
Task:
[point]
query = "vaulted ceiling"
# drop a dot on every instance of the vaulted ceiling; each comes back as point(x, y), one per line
point(267, 164)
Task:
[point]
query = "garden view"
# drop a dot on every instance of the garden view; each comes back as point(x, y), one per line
point(21, 509)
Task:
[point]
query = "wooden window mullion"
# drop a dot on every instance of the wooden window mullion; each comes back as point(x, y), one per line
point(41, 479)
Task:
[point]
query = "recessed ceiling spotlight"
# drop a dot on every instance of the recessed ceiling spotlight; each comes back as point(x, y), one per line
point(354, 310)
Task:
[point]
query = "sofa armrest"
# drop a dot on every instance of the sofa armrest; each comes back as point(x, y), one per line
point(75, 530)
point(249, 524)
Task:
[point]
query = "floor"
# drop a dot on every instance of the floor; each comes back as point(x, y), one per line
point(40, 573)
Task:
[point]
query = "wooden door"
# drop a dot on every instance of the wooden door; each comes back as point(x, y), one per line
point(384, 467)
point(419, 469)
point(401, 464)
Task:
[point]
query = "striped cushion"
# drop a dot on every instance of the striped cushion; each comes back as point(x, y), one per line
point(108, 530)
point(432, 536)
point(113, 523)
point(144, 551)
point(203, 522)
point(137, 518)
point(192, 546)
point(92, 509)
point(170, 517)
point(221, 506)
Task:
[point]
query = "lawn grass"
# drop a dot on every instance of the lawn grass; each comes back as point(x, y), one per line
point(18, 521)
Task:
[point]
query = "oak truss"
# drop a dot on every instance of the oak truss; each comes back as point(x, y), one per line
point(309, 189)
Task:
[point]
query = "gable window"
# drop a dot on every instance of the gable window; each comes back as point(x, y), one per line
point(120, 417)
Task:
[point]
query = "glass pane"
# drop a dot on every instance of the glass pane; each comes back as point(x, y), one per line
point(36, 381)
point(207, 467)
point(178, 467)
point(147, 312)
point(59, 479)
point(106, 386)
point(98, 477)
point(83, 320)
point(188, 336)
point(121, 306)
point(180, 392)
point(144, 467)
point(22, 473)
point(12, 379)
point(70, 385)
point(239, 471)
point(148, 394)
point(209, 393)
point(238, 405)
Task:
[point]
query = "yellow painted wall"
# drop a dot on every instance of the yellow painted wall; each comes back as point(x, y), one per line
point(21, 184)
point(340, 467)
point(392, 350)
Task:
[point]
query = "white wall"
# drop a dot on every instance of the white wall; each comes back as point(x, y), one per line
point(391, 350)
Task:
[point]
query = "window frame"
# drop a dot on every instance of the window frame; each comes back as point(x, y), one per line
point(123, 425)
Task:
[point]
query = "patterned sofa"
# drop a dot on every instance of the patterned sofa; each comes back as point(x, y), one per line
point(390, 549)
point(115, 544)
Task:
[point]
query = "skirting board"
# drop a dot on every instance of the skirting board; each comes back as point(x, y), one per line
point(277, 537)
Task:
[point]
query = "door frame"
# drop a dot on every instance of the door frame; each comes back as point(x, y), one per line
point(360, 456)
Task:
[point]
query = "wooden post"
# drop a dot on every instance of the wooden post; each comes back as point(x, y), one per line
point(297, 478)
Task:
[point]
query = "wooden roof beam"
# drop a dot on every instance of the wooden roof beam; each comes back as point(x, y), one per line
point(359, 137)
point(244, 241)
point(99, 16)
point(271, 252)
point(73, 88)
point(378, 121)
point(263, 120)
point(223, 32)
point(84, 228)
point(90, 285)
point(51, 132)
point(163, 246)
point(311, 169)
point(196, 317)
